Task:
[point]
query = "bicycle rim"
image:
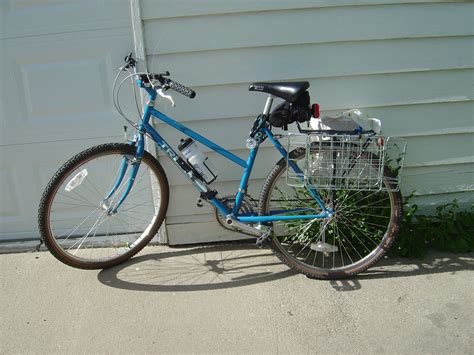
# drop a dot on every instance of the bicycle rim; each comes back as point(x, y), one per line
point(79, 230)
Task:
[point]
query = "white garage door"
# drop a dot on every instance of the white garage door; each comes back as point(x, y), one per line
point(57, 63)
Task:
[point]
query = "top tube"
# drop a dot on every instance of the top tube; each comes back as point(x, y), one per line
point(189, 132)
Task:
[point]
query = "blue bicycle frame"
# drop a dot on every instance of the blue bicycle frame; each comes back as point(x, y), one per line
point(145, 127)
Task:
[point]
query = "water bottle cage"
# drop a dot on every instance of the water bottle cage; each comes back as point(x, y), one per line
point(209, 195)
point(200, 177)
point(192, 171)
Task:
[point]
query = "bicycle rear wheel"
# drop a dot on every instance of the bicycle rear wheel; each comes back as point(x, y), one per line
point(73, 215)
point(362, 229)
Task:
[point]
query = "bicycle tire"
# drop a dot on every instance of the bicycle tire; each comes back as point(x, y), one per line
point(124, 236)
point(320, 270)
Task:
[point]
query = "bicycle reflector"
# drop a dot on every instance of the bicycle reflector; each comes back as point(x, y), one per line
point(315, 110)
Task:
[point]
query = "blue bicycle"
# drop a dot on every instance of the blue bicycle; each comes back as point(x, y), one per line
point(330, 208)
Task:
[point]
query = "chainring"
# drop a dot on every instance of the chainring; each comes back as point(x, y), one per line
point(247, 206)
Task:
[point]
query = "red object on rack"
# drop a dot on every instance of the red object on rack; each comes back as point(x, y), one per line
point(315, 110)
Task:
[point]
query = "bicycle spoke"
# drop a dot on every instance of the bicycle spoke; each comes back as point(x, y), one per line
point(82, 240)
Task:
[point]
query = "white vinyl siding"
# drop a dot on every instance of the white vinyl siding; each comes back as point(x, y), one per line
point(410, 63)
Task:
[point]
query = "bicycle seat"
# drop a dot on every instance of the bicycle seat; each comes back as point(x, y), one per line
point(289, 91)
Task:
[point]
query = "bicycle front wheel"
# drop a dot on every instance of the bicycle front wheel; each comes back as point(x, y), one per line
point(363, 227)
point(74, 218)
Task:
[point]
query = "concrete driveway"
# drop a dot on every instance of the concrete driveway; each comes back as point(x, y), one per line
point(234, 299)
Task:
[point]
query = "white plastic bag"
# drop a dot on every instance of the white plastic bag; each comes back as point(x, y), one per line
point(351, 121)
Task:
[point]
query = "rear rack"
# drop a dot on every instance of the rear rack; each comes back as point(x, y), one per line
point(342, 161)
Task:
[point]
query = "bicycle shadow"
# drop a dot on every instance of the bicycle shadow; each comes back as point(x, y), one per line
point(433, 263)
point(218, 267)
point(196, 269)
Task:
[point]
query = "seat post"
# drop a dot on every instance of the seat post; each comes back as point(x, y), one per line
point(268, 105)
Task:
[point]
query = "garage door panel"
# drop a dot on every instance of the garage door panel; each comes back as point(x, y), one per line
point(65, 97)
point(9, 205)
point(18, 184)
point(25, 170)
point(64, 89)
point(35, 17)
point(58, 62)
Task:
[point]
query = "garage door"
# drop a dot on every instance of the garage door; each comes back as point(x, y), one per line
point(57, 64)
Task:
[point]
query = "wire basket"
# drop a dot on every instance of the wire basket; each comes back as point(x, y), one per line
point(345, 162)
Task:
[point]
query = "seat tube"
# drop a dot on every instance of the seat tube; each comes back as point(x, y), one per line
point(244, 181)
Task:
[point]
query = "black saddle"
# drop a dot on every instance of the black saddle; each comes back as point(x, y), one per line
point(287, 91)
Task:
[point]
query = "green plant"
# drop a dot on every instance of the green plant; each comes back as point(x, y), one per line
point(449, 229)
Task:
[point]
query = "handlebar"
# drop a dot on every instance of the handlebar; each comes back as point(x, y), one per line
point(184, 90)
point(168, 83)
point(164, 82)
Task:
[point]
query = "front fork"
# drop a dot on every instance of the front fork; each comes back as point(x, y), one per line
point(128, 162)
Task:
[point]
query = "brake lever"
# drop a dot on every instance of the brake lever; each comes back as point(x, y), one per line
point(131, 62)
point(167, 97)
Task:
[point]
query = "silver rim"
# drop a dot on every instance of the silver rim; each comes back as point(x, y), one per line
point(78, 218)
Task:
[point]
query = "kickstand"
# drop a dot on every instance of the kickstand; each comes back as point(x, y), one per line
point(264, 239)
point(39, 246)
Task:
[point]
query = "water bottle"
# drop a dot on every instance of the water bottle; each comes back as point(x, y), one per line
point(197, 160)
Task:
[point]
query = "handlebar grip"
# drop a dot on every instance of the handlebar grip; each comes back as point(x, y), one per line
point(182, 89)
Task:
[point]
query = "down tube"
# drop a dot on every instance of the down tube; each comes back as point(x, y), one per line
point(174, 158)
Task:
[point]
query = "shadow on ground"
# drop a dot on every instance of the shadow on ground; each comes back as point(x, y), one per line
point(201, 268)
point(434, 263)
point(219, 267)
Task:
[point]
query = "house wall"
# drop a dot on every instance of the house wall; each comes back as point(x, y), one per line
point(410, 63)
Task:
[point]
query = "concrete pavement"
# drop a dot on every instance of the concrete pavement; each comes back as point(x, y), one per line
point(234, 299)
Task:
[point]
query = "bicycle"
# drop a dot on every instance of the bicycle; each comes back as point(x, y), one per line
point(317, 225)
